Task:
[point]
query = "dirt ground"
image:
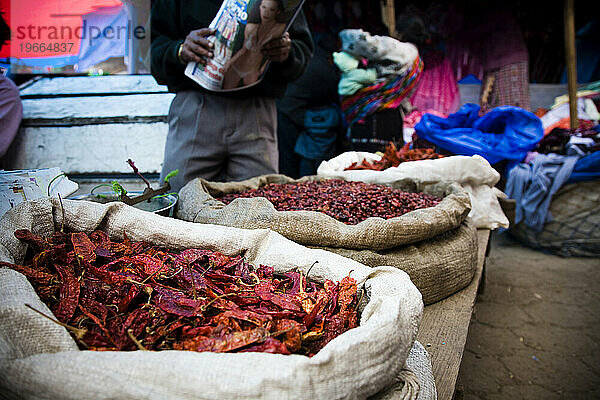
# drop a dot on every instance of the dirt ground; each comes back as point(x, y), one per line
point(536, 327)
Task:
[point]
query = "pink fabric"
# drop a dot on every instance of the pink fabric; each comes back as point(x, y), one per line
point(437, 90)
point(11, 113)
point(415, 116)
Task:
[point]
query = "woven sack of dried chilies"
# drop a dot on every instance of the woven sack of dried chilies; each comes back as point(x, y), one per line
point(40, 359)
point(435, 245)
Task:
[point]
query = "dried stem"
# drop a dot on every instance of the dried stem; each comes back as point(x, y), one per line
point(311, 267)
point(191, 272)
point(205, 306)
point(62, 209)
point(152, 274)
point(252, 274)
point(137, 172)
point(281, 332)
point(78, 332)
point(175, 274)
point(139, 344)
point(362, 294)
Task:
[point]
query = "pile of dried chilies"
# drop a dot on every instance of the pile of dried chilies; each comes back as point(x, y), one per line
point(347, 201)
point(133, 295)
point(393, 157)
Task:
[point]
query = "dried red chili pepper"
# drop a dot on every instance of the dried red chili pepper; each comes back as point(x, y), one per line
point(131, 295)
point(83, 247)
point(69, 294)
point(394, 157)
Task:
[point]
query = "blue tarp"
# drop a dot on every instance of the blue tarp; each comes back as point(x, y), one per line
point(504, 133)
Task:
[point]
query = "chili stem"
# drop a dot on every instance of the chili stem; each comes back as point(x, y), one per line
point(175, 274)
point(78, 332)
point(205, 306)
point(311, 267)
point(152, 274)
point(139, 344)
point(252, 274)
point(281, 332)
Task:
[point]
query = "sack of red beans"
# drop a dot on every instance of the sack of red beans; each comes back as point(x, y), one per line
point(329, 212)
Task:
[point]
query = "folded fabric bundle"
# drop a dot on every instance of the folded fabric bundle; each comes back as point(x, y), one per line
point(388, 55)
point(390, 75)
point(532, 185)
point(353, 78)
point(382, 95)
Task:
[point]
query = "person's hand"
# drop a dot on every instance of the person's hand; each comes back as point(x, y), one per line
point(197, 47)
point(278, 49)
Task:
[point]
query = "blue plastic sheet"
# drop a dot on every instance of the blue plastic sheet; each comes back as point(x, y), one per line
point(504, 133)
point(587, 168)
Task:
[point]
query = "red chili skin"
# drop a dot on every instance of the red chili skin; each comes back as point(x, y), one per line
point(131, 295)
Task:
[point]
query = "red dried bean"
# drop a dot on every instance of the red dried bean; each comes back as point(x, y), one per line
point(348, 202)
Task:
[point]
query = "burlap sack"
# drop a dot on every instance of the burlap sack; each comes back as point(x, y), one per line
point(474, 173)
point(574, 228)
point(197, 204)
point(39, 360)
point(418, 364)
point(439, 267)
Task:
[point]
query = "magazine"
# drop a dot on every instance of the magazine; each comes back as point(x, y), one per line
point(242, 27)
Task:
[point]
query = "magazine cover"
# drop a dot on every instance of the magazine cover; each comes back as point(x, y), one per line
point(242, 27)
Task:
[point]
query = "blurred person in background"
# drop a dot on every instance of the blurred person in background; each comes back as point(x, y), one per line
point(485, 39)
point(308, 120)
point(11, 108)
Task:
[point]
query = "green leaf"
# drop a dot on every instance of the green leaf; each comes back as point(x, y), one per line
point(170, 175)
point(118, 189)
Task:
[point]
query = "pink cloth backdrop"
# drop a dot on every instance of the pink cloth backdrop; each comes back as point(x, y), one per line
point(437, 89)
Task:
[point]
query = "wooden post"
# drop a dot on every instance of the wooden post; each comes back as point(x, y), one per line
point(388, 16)
point(571, 60)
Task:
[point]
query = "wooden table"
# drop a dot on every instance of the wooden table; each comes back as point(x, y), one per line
point(445, 326)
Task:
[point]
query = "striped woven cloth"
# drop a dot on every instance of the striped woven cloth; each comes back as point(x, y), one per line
point(386, 94)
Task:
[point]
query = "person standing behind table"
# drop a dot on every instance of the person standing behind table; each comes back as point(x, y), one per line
point(11, 108)
point(218, 135)
point(265, 21)
point(315, 90)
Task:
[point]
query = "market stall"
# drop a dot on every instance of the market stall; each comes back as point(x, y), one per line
point(397, 290)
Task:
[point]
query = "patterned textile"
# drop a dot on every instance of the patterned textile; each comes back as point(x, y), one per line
point(437, 88)
point(511, 86)
point(382, 95)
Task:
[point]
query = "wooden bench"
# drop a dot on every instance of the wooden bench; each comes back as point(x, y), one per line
point(445, 326)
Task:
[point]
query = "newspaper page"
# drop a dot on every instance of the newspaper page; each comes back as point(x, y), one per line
point(242, 27)
point(32, 184)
